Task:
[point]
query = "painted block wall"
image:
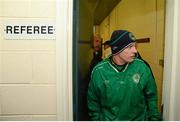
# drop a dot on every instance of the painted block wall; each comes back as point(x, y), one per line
point(27, 67)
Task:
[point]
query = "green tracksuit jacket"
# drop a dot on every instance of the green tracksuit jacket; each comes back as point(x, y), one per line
point(130, 94)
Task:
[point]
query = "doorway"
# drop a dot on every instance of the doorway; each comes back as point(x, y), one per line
point(145, 19)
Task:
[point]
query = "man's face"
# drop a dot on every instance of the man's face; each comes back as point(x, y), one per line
point(97, 42)
point(128, 54)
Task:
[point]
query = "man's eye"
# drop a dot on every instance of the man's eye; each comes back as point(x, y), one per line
point(131, 46)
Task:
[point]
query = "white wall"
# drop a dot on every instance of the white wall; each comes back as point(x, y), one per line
point(27, 67)
point(35, 75)
point(171, 98)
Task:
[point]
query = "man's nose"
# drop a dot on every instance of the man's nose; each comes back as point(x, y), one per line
point(134, 49)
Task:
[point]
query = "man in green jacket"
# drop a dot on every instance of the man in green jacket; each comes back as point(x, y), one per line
point(122, 86)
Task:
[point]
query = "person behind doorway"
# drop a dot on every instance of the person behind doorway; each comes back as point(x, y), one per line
point(97, 51)
point(97, 57)
point(122, 86)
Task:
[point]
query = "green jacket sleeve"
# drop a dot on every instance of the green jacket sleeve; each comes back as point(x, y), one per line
point(151, 97)
point(93, 101)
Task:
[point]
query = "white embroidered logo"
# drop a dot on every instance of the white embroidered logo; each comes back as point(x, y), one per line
point(132, 36)
point(115, 47)
point(136, 78)
point(106, 82)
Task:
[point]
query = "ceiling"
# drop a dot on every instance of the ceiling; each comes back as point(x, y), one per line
point(101, 8)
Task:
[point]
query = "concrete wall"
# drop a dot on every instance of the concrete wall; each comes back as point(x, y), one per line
point(27, 67)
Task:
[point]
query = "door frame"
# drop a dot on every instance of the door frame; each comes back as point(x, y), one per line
point(171, 57)
point(64, 29)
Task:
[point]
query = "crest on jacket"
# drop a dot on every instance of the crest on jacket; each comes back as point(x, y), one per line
point(136, 78)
